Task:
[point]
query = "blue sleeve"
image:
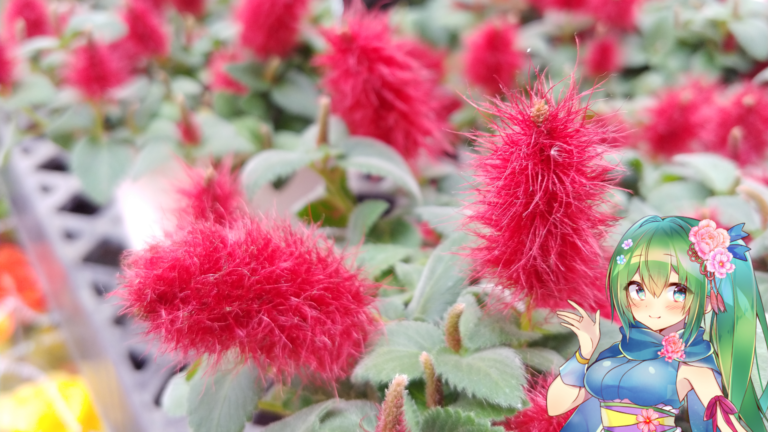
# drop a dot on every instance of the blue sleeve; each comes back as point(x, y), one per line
point(586, 418)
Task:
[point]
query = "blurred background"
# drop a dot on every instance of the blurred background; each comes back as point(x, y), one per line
point(106, 106)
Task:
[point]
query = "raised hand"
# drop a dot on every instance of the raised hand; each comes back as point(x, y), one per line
point(587, 330)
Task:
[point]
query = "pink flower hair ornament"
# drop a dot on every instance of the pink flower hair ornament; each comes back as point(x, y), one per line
point(712, 248)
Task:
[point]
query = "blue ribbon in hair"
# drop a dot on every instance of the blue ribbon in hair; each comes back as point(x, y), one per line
point(738, 251)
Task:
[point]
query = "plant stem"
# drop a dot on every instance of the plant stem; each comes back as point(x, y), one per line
point(526, 320)
point(98, 124)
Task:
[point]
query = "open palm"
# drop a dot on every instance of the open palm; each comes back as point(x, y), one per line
point(587, 330)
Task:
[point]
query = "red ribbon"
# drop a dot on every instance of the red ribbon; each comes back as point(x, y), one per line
point(724, 405)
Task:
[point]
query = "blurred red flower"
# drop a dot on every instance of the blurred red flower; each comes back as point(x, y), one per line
point(379, 89)
point(7, 66)
point(540, 206)
point(191, 7)
point(146, 34)
point(738, 128)
point(618, 14)
point(259, 289)
point(95, 70)
point(212, 195)
point(31, 14)
point(678, 117)
point(220, 79)
point(491, 59)
point(270, 27)
point(535, 418)
point(17, 278)
point(571, 5)
point(603, 55)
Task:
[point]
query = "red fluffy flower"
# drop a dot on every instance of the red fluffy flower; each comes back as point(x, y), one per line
point(32, 13)
point(535, 418)
point(271, 27)
point(542, 184)
point(95, 70)
point(278, 296)
point(190, 7)
point(491, 58)
point(676, 120)
point(146, 34)
point(220, 79)
point(213, 195)
point(571, 5)
point(618, 14)
point(431, 59)
point(739, 127)
point(6, 67)
point(603, 56)
point(379, 89)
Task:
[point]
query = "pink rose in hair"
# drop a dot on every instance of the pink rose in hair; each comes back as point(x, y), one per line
point(720, 262)
point(707, 237)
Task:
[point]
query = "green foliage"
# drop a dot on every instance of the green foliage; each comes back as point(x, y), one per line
point(273, 164)
point(296, 94)
point(350, 416)
point(306, 420)
point(175, 397)
point(376, 258)
point(451, 420)
point(100, 166)
point(225, 401)
point(362, 219)
point(480, 329)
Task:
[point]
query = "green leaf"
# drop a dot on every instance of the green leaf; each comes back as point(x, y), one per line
point(223, 402)
point(248, 74)
point(363, 217)
point(306, 420)
point(678, 197)
point(288, 140)
point(451, 420)
point(77, 118)
point(732, 210)
point(349, 416)
point(496, 375)
point(398, 351)
point(220, 137)
point(105, 26)
point(412, 413)
point(226, 104)
point(152, 157)
point(541, 359)
point(444, 277)
point(297, 94)
point(149, 105)
point(100, 167)
point(716, 172)
point(375, 258)
point(187, 86)
point(409, 274)
point(372, 156)
point(337, 132)
point(270, 165)
point(391, 308)
point(33, 89)
point(443, 219)
point(32, 46)
point(175, 396)
point(751, 34)
point(481, 329)
point(482, 409)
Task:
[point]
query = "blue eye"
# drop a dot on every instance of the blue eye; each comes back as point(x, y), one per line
point(678, 293)
point(636, 291)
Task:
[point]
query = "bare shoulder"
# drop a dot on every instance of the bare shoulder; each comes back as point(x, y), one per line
point(694, 377)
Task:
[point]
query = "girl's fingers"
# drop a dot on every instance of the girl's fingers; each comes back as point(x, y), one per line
point(581, 311)
point(574, 328)
point(569, 314)
point(597, 317)
point(572, 320)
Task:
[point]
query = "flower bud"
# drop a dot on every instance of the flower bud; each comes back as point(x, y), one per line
point(434, 386)
point(452, 333)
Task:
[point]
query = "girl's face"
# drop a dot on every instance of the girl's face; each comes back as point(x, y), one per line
point(658, 313)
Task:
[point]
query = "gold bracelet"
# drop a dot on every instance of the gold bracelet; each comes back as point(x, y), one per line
point(579, 358)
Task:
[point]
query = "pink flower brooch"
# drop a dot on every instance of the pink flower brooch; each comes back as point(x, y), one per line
point(673, 348)
point(711, 248)
point(647, 420)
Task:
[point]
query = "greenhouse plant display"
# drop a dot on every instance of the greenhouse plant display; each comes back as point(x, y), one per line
point(377, 210)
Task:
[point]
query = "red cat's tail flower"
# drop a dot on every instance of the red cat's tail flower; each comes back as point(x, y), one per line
point(220, 79)
point(540, 208)
point(569, 5)
point(535, 418)
point(94, 70)
point(258, 289)
point(146, 34)
point(195, 8)
point(491, 59)
point(676, 120)
point(603, 55)
point(617, 14)
point(379, 89)
point(7, 66)
point(212, 195)
point(31, 15)
point(270, 27)
point(739, 127)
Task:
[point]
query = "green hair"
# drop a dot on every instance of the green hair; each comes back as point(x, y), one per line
point(660, 246)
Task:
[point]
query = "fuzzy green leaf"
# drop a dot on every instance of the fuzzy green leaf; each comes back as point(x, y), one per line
point(337, 132)
point(482, 409)
point(33, 89)
point(372, 156)
point(106, 26)
point(496, 375)
point(481, 330)
point(443, 219)
point(363, 217)
point(751, 34)
point(306, 420)
point(451, 420)
point(34, 45)
point(413, 335)
point(444, 278)
point(175, 398)
point(678, 197)
point(375, 258)
point(100, 167)
point(297, 94)
point(718, 173)
point(349, 416)
point(77, 118)
point(273, 164)
point(541, 359)
point(223, 402)
point(412, 413)
point(248, 74)
point(391, 308)
point(152, 157)
point(409, 274)
point(220, 137)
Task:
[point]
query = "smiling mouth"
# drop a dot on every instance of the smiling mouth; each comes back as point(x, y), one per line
point(658, 317)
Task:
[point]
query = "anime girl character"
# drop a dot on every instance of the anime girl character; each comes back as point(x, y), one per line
point(665, 277)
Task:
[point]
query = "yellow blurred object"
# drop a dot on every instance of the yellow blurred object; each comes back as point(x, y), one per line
point(59, 403)
point(7, 325)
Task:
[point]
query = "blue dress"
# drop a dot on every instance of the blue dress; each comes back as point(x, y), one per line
point(631, 375)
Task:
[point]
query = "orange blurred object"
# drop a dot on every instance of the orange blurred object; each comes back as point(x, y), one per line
point(17, 278)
